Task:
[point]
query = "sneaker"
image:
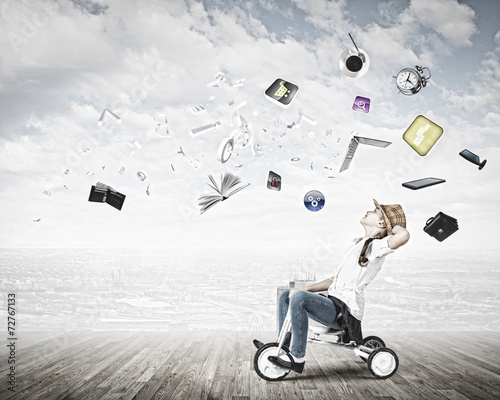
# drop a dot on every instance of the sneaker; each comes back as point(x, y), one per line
point(291, 365)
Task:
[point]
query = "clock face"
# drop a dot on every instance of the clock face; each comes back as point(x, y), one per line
point(407, 79)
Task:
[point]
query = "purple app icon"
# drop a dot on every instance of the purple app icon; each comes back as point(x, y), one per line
point(361, 104)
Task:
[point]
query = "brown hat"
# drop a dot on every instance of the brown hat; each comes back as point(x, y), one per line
point(393, 215)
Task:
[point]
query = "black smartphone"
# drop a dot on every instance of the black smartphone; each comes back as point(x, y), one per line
point(421, 183)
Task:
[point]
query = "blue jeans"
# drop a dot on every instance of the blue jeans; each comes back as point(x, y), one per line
point(305, 305)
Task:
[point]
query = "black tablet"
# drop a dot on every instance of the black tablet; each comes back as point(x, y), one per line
point(421, 183)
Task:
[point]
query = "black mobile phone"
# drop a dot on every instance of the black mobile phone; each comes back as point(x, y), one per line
point(421, 183)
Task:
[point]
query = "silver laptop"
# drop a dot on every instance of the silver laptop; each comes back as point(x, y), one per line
point(353, 145)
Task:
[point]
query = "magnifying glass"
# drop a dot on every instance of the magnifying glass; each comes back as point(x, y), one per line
point(361, 104)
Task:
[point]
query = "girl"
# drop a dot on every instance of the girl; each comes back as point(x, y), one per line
point(385, 231)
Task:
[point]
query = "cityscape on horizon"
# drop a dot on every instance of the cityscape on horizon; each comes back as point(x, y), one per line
point(217, 290)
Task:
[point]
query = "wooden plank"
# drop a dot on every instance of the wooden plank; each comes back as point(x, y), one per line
point(458, 361)
point(208, 367)
point(158, 358)
point(192, 382)
point(219, 365)
point(189, 379)
point(475, 389)
point(184, 374)
point(100, 369)
point(176, 348)
point(102, 378)
point(46, 373)
point(321, 371)
point(223, 381)
point(452, 394)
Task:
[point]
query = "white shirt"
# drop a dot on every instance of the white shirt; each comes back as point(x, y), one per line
point(351, 279)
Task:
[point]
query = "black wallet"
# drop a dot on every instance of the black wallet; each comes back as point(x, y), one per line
point(441, 226)
point(101, 193)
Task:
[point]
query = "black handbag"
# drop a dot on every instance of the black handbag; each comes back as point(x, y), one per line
point(441, 226)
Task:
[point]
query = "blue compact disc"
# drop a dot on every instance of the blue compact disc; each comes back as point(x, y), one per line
point(314, 200)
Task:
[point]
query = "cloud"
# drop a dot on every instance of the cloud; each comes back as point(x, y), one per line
point(158, 58)
point(388, 11)
point(324, 14)
point(457, 28)
point(482, 93)
point(90, 7)
point(423, 32)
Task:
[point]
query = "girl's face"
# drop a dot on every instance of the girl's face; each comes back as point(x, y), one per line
point(372, 217)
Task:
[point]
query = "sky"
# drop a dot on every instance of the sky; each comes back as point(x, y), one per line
point(64, 62)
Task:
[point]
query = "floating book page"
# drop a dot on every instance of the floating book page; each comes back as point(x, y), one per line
point(228, 182)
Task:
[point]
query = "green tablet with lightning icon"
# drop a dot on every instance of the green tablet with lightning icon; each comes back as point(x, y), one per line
point(422, 135)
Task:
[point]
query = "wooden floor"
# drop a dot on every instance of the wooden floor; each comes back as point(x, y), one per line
point(210, 365)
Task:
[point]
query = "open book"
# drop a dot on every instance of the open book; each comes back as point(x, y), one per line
point(101, 193)
point(228, 182)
